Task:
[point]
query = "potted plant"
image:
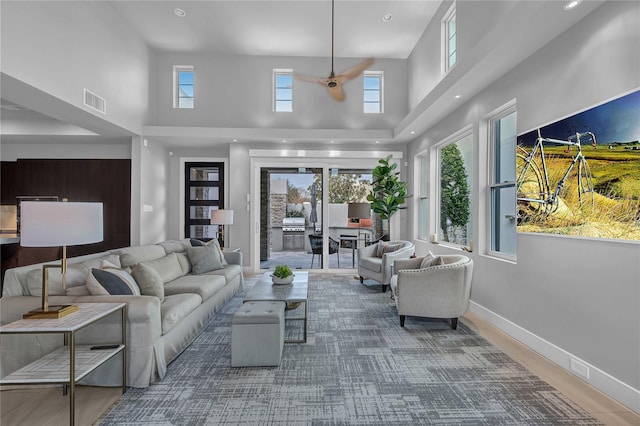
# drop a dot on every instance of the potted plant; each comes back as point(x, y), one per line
point(282, 275)
point(388, 192)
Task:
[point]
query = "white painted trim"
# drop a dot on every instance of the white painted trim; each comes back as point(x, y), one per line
point(184, 160)
point(323, 154)
point(616, 389)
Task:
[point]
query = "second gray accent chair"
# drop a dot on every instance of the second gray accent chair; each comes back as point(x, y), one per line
point(440, 291)
point(380, 268)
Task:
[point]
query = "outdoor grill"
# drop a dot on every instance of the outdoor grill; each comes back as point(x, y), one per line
point(293, 233)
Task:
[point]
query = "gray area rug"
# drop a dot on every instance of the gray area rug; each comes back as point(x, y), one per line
point(358, 367)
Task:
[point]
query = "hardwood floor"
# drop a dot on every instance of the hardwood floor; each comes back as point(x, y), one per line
point(48, 407)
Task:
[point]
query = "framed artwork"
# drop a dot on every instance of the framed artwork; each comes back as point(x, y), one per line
point(580, 176)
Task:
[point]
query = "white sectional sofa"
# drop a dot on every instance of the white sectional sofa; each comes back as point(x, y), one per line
point(158, 328)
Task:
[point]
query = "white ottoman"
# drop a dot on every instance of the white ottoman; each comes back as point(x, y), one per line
point(257, 334)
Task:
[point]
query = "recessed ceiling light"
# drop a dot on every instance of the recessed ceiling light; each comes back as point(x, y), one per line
point(377, 141)
point(572, 4)
point(235, 140)
point(284, 141)
point(179, 12)
point(387, 17)
point(457, 96)
point(413, 133)
point(333, 141)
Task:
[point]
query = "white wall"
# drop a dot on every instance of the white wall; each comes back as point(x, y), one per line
point(154, 190)
point(235, 91)
point(63, 47)
point(578, 297)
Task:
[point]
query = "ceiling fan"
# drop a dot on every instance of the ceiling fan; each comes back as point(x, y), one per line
point(334, 82)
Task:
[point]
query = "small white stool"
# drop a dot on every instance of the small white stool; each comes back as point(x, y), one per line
point(257, 334)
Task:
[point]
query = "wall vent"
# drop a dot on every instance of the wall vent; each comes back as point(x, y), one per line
point(95, 102)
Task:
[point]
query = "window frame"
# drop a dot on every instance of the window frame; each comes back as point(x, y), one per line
point(422, 164)
point(177, 70)
point(446, 39)
point(380, 90)
point(466, 132)
point(493, 186)
point(278, 72)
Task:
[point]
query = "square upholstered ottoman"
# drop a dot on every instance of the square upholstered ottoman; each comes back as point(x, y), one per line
point(257, 334)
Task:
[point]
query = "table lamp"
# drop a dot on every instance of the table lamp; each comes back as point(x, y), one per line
point(221, 217)
point(359, 211)
point(51, 224)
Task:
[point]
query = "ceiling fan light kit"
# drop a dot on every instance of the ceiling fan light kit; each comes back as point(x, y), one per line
point(334, 82)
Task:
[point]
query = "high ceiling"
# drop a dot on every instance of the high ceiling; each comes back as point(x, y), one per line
point(281, 28)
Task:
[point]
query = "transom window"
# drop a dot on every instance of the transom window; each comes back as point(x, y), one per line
point(183, 86)
point(450, 39)
point(283, 90)
point(373, 92)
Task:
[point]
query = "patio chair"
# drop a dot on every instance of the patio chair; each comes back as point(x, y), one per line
point(316, 248)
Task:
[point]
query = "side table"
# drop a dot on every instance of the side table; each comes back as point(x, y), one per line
point(69, 363)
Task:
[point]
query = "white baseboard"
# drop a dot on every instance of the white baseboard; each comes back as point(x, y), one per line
point(602, 381)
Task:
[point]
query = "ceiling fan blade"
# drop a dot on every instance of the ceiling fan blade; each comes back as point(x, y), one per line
point(357, 69)
point(310, 79)
point(336, 92)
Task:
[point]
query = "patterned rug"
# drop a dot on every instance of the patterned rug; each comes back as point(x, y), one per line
point(358, 367)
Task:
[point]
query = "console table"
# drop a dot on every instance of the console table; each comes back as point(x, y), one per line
point(71, 362)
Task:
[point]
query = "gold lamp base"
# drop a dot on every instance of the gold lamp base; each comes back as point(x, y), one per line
point(54, 311)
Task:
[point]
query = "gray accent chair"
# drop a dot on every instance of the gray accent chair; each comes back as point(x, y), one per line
point(381, 268)
point(436, 292)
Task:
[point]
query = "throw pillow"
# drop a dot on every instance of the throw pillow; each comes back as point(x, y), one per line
point(196, 243)
point(216, 245)
point(104, 282)
point(428, 262)
point(167, 266)
point(204, 259)
point(383, 248)
point(149, 281)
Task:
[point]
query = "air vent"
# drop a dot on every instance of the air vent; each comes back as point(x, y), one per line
point(95, 102)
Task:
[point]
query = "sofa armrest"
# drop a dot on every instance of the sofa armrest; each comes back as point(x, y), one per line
point(233, 257)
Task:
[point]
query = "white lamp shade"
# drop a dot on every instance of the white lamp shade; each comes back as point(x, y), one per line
point(50, 224)
point(222, 217)
point(359, 210)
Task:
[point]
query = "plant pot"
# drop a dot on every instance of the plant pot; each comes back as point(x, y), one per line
point(280, 281)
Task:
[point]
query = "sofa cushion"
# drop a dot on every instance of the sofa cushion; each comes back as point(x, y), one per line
point(105, 282)
point(175, 307)
point(167, 266)
point(76, 276)
point(98, 262)
point(204, 259)
point(229, 272)
point(204, 286)
point(216, 245)
point(183, 259)
point(371, 263)
point(149, 281)
point(129, 256)
point(173, 246)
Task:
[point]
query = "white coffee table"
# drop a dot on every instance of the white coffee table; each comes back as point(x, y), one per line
point(289, 293)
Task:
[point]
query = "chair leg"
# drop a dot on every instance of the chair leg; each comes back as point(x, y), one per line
point(361, 279)
point(384, 288)
point(402, 320)
point(454, 323)
point(312, 256)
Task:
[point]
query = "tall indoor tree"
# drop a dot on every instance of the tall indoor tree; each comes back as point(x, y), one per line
point(388, 192)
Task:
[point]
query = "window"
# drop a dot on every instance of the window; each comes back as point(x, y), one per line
point(373, 92)
point(422, 198)
point(204, 192)
point(450, 38)
point(502, 138)
point(183, 93)
point(455, 186)
point(283, 90)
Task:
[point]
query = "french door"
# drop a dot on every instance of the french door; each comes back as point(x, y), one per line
point(204, 192)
